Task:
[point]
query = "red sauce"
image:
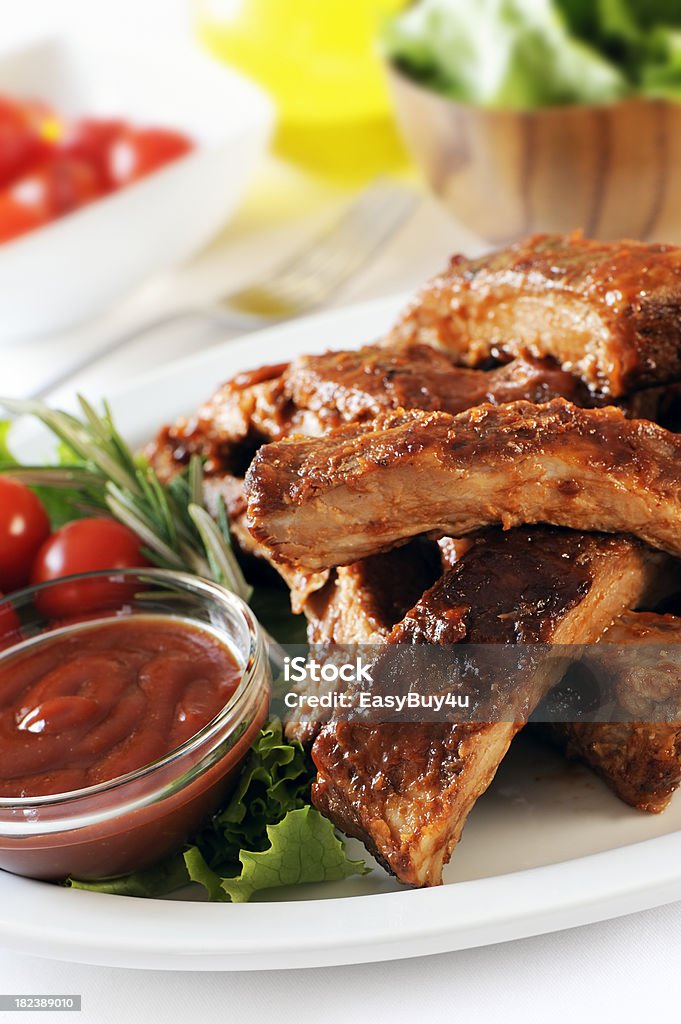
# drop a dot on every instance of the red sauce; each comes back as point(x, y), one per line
point(92, 705)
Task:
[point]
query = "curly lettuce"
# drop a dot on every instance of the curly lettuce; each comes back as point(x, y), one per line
point(520, 54)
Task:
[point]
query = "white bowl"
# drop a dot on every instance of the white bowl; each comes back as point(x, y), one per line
point(69, 270)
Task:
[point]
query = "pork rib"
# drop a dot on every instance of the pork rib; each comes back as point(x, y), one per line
point(330, 501)
point(639, 756)
point(608, 312)
point(406, 789)
point(316, 393)
point(357, 385)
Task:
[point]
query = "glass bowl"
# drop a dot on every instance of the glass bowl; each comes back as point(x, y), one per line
point(140, 818)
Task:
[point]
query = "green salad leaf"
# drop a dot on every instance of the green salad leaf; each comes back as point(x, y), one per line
point(267, 835)
point(520, 54)
point(6, 457)
point(153, 882)
point(501, 53)
point(275, 779)
point(303, 848)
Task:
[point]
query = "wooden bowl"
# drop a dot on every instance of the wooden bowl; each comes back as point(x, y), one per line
point(610, 170)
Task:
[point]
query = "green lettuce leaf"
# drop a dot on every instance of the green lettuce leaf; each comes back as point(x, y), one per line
point(6, 457)
point(275, 779)
point(661, 71)
point(303, 848)
point(501, 53)
point(266, 835)
point(529, 53)
point(152, 882)
point(640, 36)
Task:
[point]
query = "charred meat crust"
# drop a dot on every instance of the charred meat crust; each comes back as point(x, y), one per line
point(227, 430)
point(315, 394)
point(406, 789)
point(361, 490)
point(608, 312)
point(638, 758)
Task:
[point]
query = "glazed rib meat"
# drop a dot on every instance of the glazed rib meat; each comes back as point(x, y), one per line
point(406, 789)
point(316, 503)
point(608, 312)
point(363, 601)
point(638, 754)
point(314, 394)
point(353, 386)
point(227, 430)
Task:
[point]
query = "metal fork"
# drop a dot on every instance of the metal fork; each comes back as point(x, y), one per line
point(303, 282)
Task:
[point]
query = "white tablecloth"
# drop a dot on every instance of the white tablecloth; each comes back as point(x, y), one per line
point(624, 969)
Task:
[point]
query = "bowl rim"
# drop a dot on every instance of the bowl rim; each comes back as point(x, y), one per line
point(398, 74)
point(250, 674)
point(247, 93)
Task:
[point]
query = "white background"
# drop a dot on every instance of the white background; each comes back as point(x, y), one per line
point(624, 970)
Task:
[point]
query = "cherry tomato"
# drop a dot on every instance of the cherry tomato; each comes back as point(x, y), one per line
point(85, 545)
point(23, 528)
point(60, 185)
point(138, 152)
point(92, 140)
point(10, 627)
point(25, 130)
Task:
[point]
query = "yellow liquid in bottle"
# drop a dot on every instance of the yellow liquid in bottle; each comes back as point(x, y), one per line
point(320, 62)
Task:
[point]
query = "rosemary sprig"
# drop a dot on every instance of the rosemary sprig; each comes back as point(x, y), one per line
point(170, 519)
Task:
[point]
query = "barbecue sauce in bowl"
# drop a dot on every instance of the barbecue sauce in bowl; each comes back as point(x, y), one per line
point(121, 734)
point(105, 699)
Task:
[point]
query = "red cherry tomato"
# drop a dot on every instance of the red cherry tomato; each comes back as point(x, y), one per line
point(23, 528)
point(85, 545)
point(24, 137)
point(10, 627)
point(59, 186)
point(91, 140)
point(138, 152)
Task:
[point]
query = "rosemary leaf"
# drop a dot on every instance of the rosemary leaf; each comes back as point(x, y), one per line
point(221, 557)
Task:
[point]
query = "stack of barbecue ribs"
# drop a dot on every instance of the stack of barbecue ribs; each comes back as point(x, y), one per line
point(493, 471)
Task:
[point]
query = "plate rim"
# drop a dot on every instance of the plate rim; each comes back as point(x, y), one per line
point(410, 923)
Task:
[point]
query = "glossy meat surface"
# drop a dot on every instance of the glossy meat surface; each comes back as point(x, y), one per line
point(609, 312)
point(316, 503)
point(406, 789)
point(353, 386)
point(314, 394)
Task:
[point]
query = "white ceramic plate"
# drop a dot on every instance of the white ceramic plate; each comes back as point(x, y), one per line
point(68, 270)
point(547, 847)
